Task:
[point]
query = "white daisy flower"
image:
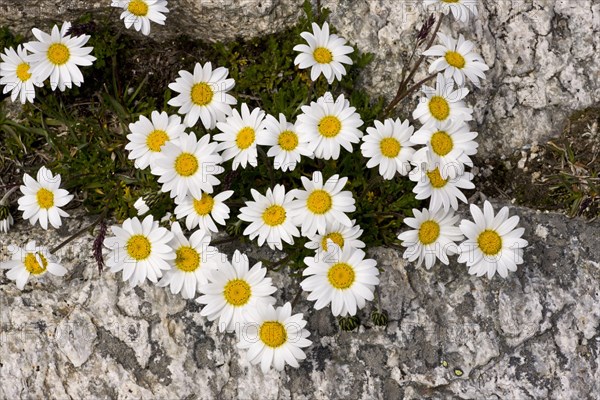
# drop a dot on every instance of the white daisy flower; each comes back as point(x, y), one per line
point(139, 13)
point(204, 211)
point(239, 135)
point(188, 166)
point(443, 103)
point(324, 54)
point(58, 56)
point(329, 125)
point(287, 144)
point(31, 260)
point(339, 234)
point(434, 235)
point(203, 95)
point(448, 147)
point(140, 249)
point(321, 204)
point(148, 137)
point(457, 60)
point(274, 337)
point(141, 206)
point(388, 145)
point(343, 278)
point(493, 244)
point(42, 199)
point(233, 290)
point(460, 8)
point(444, 193)
point(194, 258)
point(16, 76)
point(270, 218)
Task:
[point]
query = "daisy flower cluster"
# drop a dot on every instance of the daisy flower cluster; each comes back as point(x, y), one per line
point(55, 57)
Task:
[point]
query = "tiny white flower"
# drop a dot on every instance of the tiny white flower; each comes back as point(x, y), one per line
point(6, 219)
point(31, 260)
point(270, 218)
point(388, 145)
point(434, 235)
point(493, 244)
point(42, 199)
point(342, 278)
point(444, 193)
point(140, 249)
point(141, 206)
point(274, 337)
point(325, 54)
point(59, 56)
point(460, 8)
point(203, 95)
point(234, 289)
point(204, 211)
point(287, 144)
point(329, 124)
point(139, 13)
point(321, 204)
point(16, 76)
point(443, 103)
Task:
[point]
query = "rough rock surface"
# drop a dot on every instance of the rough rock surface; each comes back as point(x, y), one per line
point(534, 335)
point(543, 53)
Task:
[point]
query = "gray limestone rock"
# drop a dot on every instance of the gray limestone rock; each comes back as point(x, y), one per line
point(534, 335)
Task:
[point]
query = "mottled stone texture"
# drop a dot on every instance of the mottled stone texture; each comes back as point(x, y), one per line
point(543, 53)
point(535, 335)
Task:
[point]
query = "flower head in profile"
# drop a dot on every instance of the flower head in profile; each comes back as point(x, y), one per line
point(58, 56)
point(342, 278)
point(234, 289)
point(493, 244)
point(140, 249)
point(42, 199)
point(16, 76)
point(6, 219)
point(329, 125)
point(287, 145)
point(461, 9)
point(324, 54)
point(270, 217)
point(457, 60)
point(443, 103)
point(274, 337)
point(31, 260)
point(203, 95)
point(388, 146)
point(139, 13)
point(204, 211)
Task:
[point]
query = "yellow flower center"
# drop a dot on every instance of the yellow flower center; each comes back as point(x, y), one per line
point(245, 138)
point(390, 147)
point(335, 237)
point(138, 8)
point(187, 259)
point(288, 140)
point(58, 54)
point(33, 266)
point(489, 242)
point(330, 126)
point(319, 202)
point(205, 205)
point(455, 59)
point(138, 247)
point(435, 178)
point(274, 215)
point(429, 232)
point(441, 143)
point(439, 108)
point(45, 198)
point(323, 55)
point(156, 139)
point(237, 292)
point(450, 1)
point(341, 276)
point(273, 333)
point(23, 72)
point(202, 94)
point(186, 164)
